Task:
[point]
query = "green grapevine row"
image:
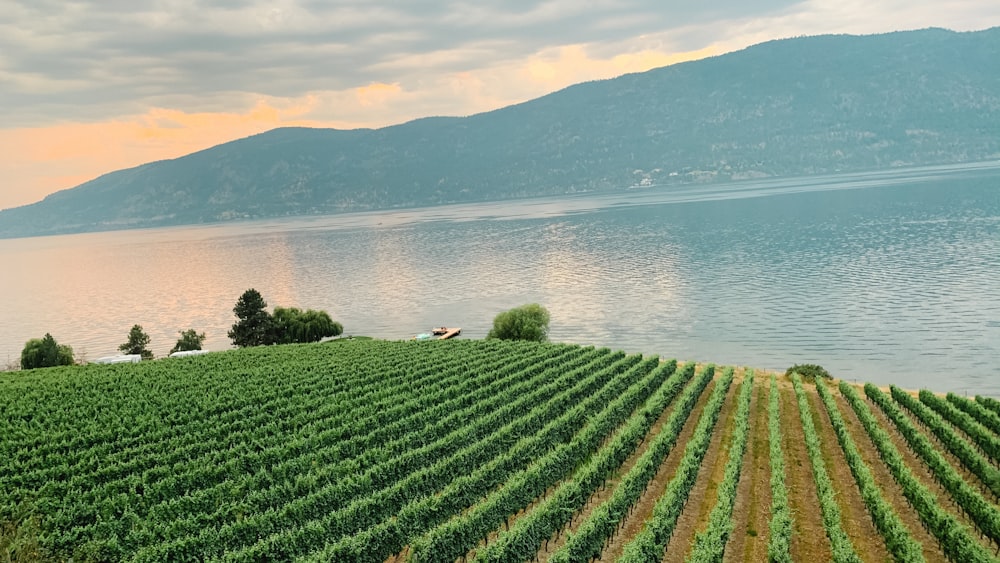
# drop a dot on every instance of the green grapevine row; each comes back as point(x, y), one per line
point(323, 460)
point(841, 545)
point(648, 545)
point(231, 469)
point(710, 545)
point(140, 431)
point(455, 537)
point(779, 545)
point(217, 442)
point(956, 540)
point(954, 443)
point(898, 540)
point(990, 403)
point(983, 513)
point(523, 540)
point(983, 415)
point(986, 440)
point(357, 502)
point(554, 454)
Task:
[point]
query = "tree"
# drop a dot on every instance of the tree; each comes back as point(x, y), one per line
point(527, 322)
point(255, 326)
point(293, 325)
point(137, 343)
point(189, 340)
point(45, 352)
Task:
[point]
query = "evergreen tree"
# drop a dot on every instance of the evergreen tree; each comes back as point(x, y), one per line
point(255, 326)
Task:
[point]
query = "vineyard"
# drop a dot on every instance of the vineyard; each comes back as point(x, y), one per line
point(486, 451)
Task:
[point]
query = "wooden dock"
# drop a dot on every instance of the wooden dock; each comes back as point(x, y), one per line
point(445, 333)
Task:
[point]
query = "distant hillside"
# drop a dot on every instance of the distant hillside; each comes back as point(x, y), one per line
point(789, 107)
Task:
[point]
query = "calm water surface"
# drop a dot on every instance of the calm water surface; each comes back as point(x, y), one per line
point(890, 278)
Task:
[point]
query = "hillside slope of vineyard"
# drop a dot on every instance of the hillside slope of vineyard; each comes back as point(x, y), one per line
point(486, 451)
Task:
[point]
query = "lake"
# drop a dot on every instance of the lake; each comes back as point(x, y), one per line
point(891, 277)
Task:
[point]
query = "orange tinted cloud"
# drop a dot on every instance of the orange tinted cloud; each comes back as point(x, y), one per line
point(563, 66)
point(377, 93)
point(38, 161)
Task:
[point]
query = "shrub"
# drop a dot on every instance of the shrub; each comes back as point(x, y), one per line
point(45, 352)
point(809, 371)
point(137, 343)
point(527, 322)
point(189, 340)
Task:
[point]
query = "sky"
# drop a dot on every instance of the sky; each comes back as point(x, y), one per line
point(92, 86)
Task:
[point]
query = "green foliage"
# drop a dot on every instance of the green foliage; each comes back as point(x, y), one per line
point(433, 447)
point(779, 546)
point(648, 544)
point(710, 545)
point(897, 538)
point(189, 340)
point(953, 537)
point(137, 343)
point(606, 410)
point(840, 542)
point(588, 541)
point(293, 325)
point(522, 540)
point(255, 326)
point(45, 352)
point(527, 322)
point(809, 372)
point(19, 536)
point(288, 325)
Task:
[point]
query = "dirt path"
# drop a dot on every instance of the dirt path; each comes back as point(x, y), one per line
point(752, 512)
point(601, 495)
point(855, 520)
point(809, 541)
point(891, 491)
point(702, 497)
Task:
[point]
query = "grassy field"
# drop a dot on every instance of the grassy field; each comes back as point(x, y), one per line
point(486, 451)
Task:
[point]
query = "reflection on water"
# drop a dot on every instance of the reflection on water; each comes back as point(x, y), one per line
point(897, 283)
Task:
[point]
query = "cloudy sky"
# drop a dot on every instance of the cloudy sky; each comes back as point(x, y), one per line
point(91, 86)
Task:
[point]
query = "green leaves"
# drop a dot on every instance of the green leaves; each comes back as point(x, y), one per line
point(189, 340)
point(137, 343)
point(45, 352)
point(527, 322)
point(897, 538)
point(843, 551)
point(953, 537)
point(779, 546)
point(648, 545)
point(710, 545)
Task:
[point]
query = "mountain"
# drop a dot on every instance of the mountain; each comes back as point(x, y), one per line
point(788, 107)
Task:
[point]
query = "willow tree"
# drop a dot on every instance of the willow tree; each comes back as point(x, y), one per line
point(294, 325)
point(527, 322)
